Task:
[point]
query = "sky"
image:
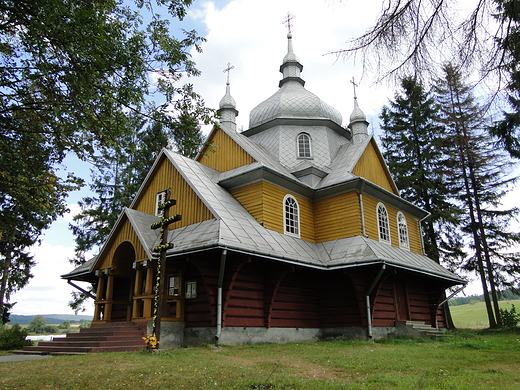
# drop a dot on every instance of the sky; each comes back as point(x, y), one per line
point(251, 36)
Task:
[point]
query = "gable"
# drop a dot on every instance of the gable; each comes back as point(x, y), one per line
point(189, 205)
point(372, 167)
point(123, 235)
point(222, 153)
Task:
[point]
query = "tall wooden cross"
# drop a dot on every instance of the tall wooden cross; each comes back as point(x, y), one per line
point(287, 21)
point(228, 69)
point(161, 260)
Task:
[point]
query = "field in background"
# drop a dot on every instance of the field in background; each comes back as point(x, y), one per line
point(474, 315)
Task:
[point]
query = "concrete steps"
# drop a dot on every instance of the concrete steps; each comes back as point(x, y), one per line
point(418, 329)
point(105, 337)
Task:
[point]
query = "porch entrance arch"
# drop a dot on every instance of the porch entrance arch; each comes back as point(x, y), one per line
point(114, 297)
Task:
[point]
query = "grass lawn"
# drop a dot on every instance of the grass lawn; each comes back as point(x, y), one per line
point(474, 315)
point(462, 360)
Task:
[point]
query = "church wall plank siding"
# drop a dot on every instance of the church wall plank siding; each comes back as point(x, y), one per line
point(296, 303)
point(419, 304)
point(264, 201)
point(384, 308)
point(197, 311)
point(224, 154)
point(370, 206)
point(244, 305)
point(337, 302)
point(371, 167)
point(189, 205)
point(337, 217)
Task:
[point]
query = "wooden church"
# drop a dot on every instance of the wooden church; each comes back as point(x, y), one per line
point(291, 230)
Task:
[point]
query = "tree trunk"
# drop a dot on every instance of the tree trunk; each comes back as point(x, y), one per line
point(5, 278)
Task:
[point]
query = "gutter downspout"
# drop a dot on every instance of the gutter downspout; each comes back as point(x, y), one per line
point(419, 223)
point(446, 300)
point(369, 315)
point(219, 292)
point(362, 209)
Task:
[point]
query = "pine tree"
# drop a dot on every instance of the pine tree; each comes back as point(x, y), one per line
point(413, 142)
point(479, 172)
point(508, 129)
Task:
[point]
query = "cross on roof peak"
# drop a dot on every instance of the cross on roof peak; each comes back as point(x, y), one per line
point(287, 21)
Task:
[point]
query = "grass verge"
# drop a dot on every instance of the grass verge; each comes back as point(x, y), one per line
point(462, 360)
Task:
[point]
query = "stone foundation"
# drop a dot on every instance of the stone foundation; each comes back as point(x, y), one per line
point(175, 335)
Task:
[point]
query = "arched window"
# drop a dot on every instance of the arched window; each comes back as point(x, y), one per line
point(402, 228)
point(382, 223)
point(291, 219)
point(304, 146)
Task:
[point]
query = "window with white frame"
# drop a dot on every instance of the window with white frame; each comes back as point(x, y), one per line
point(402, 229)
point(382, 223)
point(159, 200)
point(291, 216)
point(191, 289)
point(304, 146)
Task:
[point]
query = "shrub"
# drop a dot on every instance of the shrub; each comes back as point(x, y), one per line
point(510, 317)
point(13, 337)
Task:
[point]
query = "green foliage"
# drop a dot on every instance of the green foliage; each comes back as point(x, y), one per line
point(50, 329)
point(85, 324)
point(479, 174)
point(13, 337)
point(508, 129)
point(37, 325)
point(69, 73)
point(413, 140)
point(5, 314)
point(64, 325)
point(510, 317)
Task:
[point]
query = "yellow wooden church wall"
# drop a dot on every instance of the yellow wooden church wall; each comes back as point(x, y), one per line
point(414, 234)
point(124, 233)
point(251, 197)
point(337, 217)
point(371, 227)
point(223, 153)
point(189, 205)
point(264, 201)
point(370, 167)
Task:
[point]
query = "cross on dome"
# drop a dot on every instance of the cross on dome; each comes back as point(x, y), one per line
point(354, 85)
point(228, 69)
point(287, 21)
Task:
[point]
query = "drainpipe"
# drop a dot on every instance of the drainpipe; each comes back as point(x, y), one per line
point(219, 293)
point(369, 315)
point(362, 208)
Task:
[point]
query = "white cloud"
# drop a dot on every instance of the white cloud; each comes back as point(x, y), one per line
point(47, 293)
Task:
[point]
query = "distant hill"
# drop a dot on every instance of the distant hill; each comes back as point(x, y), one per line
point(49, 318)
point(504, 295)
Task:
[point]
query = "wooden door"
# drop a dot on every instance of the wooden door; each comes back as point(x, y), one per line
point(401, 300)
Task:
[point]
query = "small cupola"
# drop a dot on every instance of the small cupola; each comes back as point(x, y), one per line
point(358, 121)
point(227, 107)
